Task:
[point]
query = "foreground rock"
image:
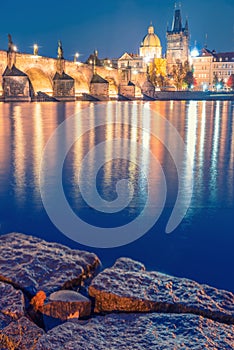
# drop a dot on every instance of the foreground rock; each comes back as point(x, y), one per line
point(33, 264)
point(22, 334)
point(62, 306)
point(126, 287)
point(140, 332)
point(67, 304)
point(12, 304)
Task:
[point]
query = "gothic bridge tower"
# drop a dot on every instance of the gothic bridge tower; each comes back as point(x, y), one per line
point(177, 41)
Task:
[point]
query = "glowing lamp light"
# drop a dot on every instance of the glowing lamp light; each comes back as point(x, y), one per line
point(218, 86)
point(204, 87)
point(15, 48)
point(135, 72)
point(76, 56)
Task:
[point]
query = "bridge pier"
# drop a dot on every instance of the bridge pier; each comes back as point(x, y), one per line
point(63, 87)
point(15, 83)
point(16, 86)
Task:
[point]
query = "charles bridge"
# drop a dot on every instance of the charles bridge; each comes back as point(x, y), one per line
point(30, 77)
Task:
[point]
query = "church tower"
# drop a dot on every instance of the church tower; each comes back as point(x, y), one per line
point(177, 41)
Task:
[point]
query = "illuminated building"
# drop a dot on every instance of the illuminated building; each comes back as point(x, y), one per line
point(177, 41)
point(210, 65)
point(151, 46)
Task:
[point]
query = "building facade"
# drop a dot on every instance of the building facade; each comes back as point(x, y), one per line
point(211, 68)
point(130, 60)
point(223, 66)
point(202, 69)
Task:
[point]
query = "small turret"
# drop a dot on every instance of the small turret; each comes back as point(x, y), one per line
point(186, 28)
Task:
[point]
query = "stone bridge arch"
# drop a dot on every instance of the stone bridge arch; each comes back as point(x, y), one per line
point(40, 80)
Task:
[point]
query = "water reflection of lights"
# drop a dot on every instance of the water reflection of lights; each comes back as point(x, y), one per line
point(38, 144)
point(109, 135)
point(202, 135)
point(192, 131)
point(19, 155)
point(5, 150)
point(214, 154)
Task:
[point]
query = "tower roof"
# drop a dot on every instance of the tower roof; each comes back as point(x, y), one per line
point(13, 72)
point(62, 76)
point(96, 79)
point(177, 26)
point(177, 21)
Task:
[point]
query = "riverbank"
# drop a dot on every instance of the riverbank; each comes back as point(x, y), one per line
point(158, 96)
point(194, 95)
point(54, 297)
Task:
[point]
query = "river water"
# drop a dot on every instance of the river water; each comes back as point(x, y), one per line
point(200, 247)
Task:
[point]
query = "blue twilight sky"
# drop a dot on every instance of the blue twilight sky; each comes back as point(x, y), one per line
point(112, 27)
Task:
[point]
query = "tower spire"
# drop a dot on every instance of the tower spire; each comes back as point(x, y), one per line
point(177, 21)
point(206, 40)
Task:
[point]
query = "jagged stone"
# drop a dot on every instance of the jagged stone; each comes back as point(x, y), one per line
point(12, 304)
point(120, 289)
point(139, 332)
point(128, 265)
point(33, 264)
point(21, 334)
point(4, 320)
point(66, 304)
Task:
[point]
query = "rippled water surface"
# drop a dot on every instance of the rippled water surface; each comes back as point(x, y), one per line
point(201, 247)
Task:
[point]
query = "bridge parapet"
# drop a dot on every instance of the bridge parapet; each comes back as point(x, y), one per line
point(41, 71)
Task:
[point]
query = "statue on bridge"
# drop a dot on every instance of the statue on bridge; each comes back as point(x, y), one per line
point(10, 44)
point(60, 50)
point(11, 53)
